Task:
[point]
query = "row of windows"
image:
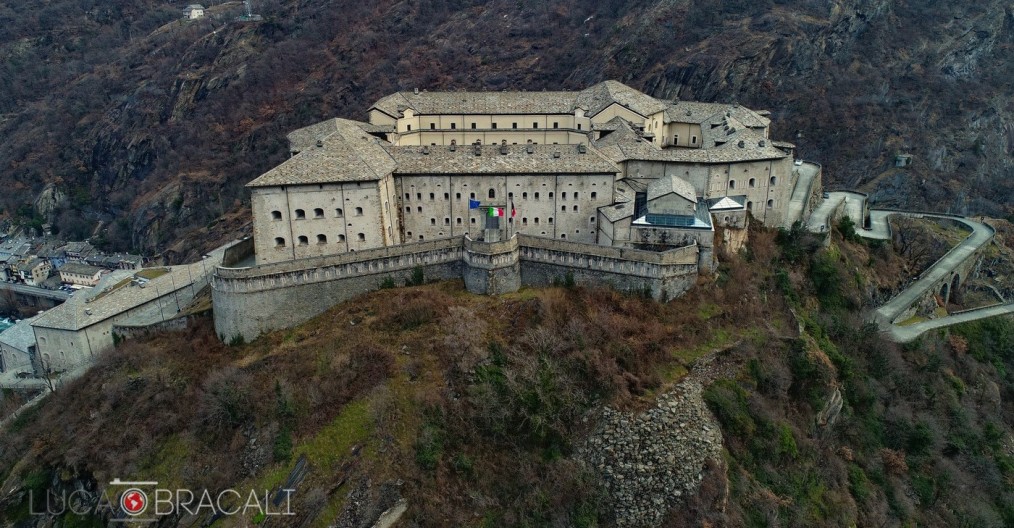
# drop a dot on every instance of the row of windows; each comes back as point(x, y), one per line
point(317, 213)
point(753, 182)
point(454, 126)
point(321, 239)
point(749, 206)
point(491, 195)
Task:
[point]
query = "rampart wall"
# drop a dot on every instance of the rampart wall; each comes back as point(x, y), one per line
point(251, 301)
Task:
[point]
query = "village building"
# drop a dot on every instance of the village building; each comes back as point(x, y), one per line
point(35, 271)
point(17, 347)
point(81, 274)
point(193, 12)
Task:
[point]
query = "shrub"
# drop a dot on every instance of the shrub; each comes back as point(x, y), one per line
point(728, 401)
point(387, 283)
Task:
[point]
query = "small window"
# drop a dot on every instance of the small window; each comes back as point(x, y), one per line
point(524, 220)
point(458, 220)
point(550, 220)
point(524, 196)
point(753, 183)
point(536, 220)
point(563, 195)
point(771, 203)
point(535, 125)
point(419, 209)
point(418, 196)
point(447, 196)
point(447, 221)
point(732, 184)
point(457, 196)
point(693, 140)
point(550, 195)
point(536, 196)
point(454, 126)
point(408, 196)
point(676, 139)
point(749, 206)
point(433, 126)
point(339, 213)
point(318, 213)
point(362, 237)
point(575, 208)
point(409, 234)
point(563, 208)
point(492, 194)
point(575, 195)
point(279, 242)
point(303, 241)
point(322, 239)
point(300, 214)
point(594, 195)
point(591, 219)
point(341, 238)
point(359, 211)
point(579, 126)
point(514, 125)
point(471, 195)
point(421, 237)
point(473, 220)
point(563, 235)
point(494, 126)
point(276, 215)
point(773, 181)
point(409, 128)
point(408, 210)
point(473, 126)
point(432, 196)
point(433, 221)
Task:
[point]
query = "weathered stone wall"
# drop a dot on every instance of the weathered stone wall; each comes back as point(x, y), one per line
point(251, 301)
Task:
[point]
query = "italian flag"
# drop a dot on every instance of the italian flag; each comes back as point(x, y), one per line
point(496, 211)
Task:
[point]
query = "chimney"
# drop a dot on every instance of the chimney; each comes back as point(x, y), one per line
point(425, 150)
point(477, 148)
point(416, 91)
point(503, 147)
point(530, 149)
point(762, 143)
point(581, 149)
point(556, 154)
point(454, 145)
point(742, 144)
point(320, 142)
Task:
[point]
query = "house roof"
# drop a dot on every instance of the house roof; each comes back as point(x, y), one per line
point(727, 203)
point(593, 100)
point(349, 153)
point(21, 335)
point(671, 184)
point(519, 159)
point(80, 269)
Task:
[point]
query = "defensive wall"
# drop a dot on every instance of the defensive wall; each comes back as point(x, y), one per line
point(253, 300)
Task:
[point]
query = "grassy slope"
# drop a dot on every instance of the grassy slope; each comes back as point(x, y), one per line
point(474, 403)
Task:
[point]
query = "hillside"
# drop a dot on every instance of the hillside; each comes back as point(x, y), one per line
point(761, 397)
point(121, 120)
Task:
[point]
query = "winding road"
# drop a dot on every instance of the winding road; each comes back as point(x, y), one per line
point(886, 315)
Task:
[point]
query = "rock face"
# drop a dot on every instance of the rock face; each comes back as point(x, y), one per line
point(650, 463)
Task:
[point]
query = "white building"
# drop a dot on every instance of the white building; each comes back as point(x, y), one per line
point(193, 11)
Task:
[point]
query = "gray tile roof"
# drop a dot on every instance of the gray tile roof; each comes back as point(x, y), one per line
point(349, 153)
point(80, 269)
point(21, 335)
point(541, 160)
point(730, 152)
point(697, 113)
point(671, 184)
point(593, 100)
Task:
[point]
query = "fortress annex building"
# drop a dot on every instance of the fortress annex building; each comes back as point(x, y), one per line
point(607, 172)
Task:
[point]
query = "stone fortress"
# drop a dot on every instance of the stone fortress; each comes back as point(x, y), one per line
point(506, 189)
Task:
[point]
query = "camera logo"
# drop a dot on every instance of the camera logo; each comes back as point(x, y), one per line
point(134, 501)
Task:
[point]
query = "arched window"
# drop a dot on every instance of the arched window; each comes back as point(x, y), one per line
point(300, 214)
point(575, 208)
point(753, 183)
point(339, 213)
point(536, 220)
point(362, 237)
point(303, 240)
point(318, 213)
point(276, 215)
point(432, 196)
point(458, 220)
point(550, 220)
point(563, 208)
point(732, 184)
point(359, 211)
point(563, 235)
point(774, 180)
point(524, 196)
point(536, 196)
point(322, 239)
point(749, 206)
point(492, 194)
point(524, 220)
point(563, 195)
point(771, 203)
point(433, 221)
point(341, 238)
point(447, 220)
point(279, 242)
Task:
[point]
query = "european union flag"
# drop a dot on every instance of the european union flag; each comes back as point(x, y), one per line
point(473, 204)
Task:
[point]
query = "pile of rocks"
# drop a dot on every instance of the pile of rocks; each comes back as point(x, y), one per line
point(650, 463)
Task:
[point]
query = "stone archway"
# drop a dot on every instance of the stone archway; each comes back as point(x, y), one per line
point(955, 287)
point(945, 290)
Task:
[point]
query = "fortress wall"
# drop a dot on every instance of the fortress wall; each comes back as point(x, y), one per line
point(668, 275)
point(251, 301)
point(248, 302)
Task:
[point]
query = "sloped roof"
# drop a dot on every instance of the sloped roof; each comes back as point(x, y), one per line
point(593, 100)
point(462, 160)
point(672, 184)
point(727, 203)
point(600, 96)
point(349, 153)
point(697, 113)
point(21, 335)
